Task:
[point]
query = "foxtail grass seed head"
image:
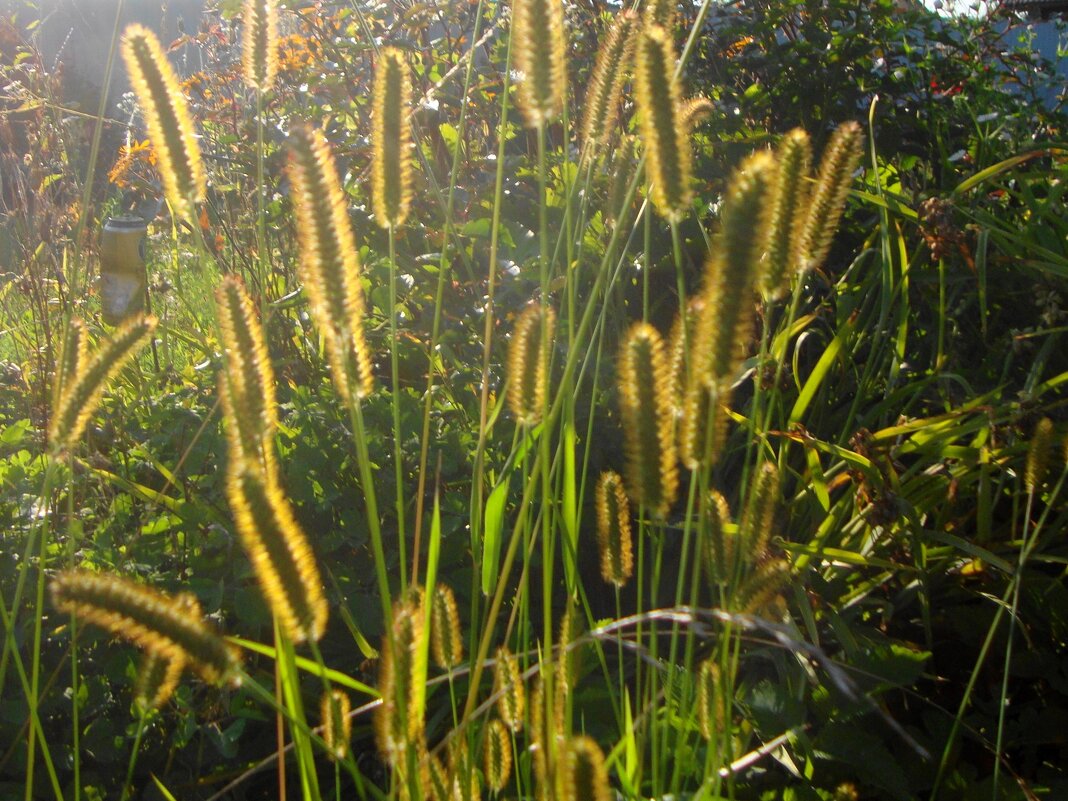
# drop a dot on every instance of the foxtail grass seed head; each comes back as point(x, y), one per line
point(508, 687)
point(540, 55)
point(660, 13)
point(754, 529)
point(248, 387)
point(80, 397)
point(169, 126)
point(719, 547)
point(165, 625)
point(696, 110)
point(497, 755)
point(665, 136)
point(157, 678)
point(762, 587)
point(335, 714)
point(622, 171)
point(391, 138)
point(438, 779)
point(606, 83)
point(703, 428)
point(528, 363)
point(397, 722)
point(1038, 455)
point(329, 266)
point(259, 46)
point(464, 783)
point(613, 530)
point(278, 549)
point(710, 714)
point(648, 420)
point(75, 346)
point(582, 775)
point(786, 212)
point(827, 199)
point(446, 639)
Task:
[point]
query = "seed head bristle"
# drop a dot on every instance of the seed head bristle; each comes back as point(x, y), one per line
point(540, 55)
point(81, 396)
point(1038, 455)
point(660, 13)
point(827, 199)
point(786, 212)
point(497, 755)
point(528, 363)
point(648, 420)
point(582, 775)
point(329, 266)
point(391, 138)
point(613, 530)
point(169, 126)
point(719, 547)
point(335, 713)
point(259, 51)
point(754, 529)
point(710, 712)
point(664, 134)
point(278, 549)
point(606, 83)
point(164, 625)
point(72, 357)
point(446, 639)
point(397, 723)
point(508, 687)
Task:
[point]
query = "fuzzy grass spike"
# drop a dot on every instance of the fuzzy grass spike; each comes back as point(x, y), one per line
point(259, 46)
point(606, 83)
point(786, 212)
point(613, 530)
point(391, 138)
point(540, 55)
point(840, 159)
point(527, 364)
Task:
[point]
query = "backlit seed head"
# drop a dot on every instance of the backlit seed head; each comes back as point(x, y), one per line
point(1038, 455)
point(259, 46)
point(540, 55)
point(278, 549)
point(508, 687)
point(169, 125)
point(582, 775)
point(80, 397)
point(622, 171)
point(828, 197)
point(335, 713)
point(682, 346)
point(528, 363)
point(660, 12)
point(157, 678)
point(719, 547)
point(391, 138)
point(761, 589)
point(696, 110)
point(397, 722)
point(648, 421)
point(710, 707)
point(497, 755)
point(786, 212)
point(164, 625)
point(613, 530)
point(664, 133)
point(754, 529)
point(606, 83)
point(703, 429)
point(446, 639)
point(72, 357)
point(329, 266)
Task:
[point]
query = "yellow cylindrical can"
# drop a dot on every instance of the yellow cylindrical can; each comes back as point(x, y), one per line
point(123, 276)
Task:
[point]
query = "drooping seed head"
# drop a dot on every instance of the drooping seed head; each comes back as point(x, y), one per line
point(828, 197)
point(259, 46)
point(391, 139)
point(540, 55)
point(508, 687)
point(606, 83)
point(695, 110)
point(169, 126)
point(582, 775)
point(164, 625)
point(528, 363)
point(710, 707)
point(786, 212)
point(446, 640)
point(648, 421)
point(157, 678)
point(329, 266)
point(1038, 455)
point(80, 397)
point(754, 529)
point(279, 551)
point(613, 530)
point(335, 713)
point(665, 136)
point(497, 755)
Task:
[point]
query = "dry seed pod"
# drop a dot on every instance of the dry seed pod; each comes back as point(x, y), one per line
point(719, 547)
point(328, 264)
point(162, 624)
point(508, 687)
point(259, 46)
point(665, 136)
point(613, 530)
point(528, 364)
point(80, 397)
point(1038, 455)
point(334, 712)
point(754, 529)
point(391, 184)
point(786, 212)
point(397, 723)
point(710, 713)
point(828, 197)
point(497, 755)
point(446, 641)
point(169, 125)
point(279, 551)
point(762, 587)
point(703, 428)
point(582, 775)
point(540, 55)
point(648, 423)
point(606, 83)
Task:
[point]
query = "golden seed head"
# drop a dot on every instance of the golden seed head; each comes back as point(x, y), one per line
point(259, 51)
point(695, 110)
point(446, 639)
point(164, 625)
point(528, 363)
point(754, 529)
point(582, 775)
point(719, 547)
point(540, 54)
point(157, 678)
point(169, 126)
point(703, 429)
point(278, 549)
point(72, 357)
point(710, 713)
point(660, 13)
point(613, 530)
point(497, 755)
point(329, 265)
point(397, 722)
point(335, 713)
point(606, 83)
point(827, 199)
point(665, 136)
point(80, 396)
point(786, 212)
point(648, 420)
point(508, 687)
point(391, 138)
point(622, 171)
point(1038, 455)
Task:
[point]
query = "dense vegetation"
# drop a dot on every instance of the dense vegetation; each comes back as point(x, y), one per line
point(516, 414)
